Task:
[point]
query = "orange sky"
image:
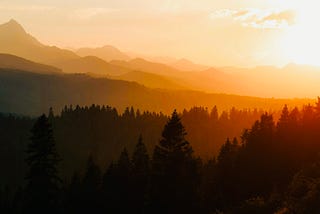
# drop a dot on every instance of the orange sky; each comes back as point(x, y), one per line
point(212, 32)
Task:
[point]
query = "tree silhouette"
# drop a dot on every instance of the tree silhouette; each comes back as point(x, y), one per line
point(110, 189)
point(91, 184)
point(43, 183)
point(116, 185)
point(140, 158)
point(174, 171)
point(51, 115)
point(123, 172)
point(226, 173)
point(273, 169)
point(73, 195)
point(140, 176)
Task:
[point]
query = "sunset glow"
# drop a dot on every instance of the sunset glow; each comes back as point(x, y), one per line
point(160, 106)
point(301, 43)
point(246, 33)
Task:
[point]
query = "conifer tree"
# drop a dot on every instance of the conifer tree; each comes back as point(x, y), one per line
point(42, 190)
point(110, 189)
point(122, 195)
point(91, 184)
point(173, 143)
point(226, 173)
point(73, 195)
point(140, 158)
point(174, 173)
point(140, 176)
point(124, 163)
point(92, 177)
point(50, 115)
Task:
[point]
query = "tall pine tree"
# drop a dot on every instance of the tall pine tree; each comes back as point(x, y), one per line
point(116, 185)
point(140, 176)
point(140, 159)
point(174, 171)
point(42, 190)
point(91, 184)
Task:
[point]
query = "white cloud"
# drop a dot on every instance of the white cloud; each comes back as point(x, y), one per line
point(223, 13)
point(257, 18)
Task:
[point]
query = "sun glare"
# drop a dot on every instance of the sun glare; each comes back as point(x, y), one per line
point(302, 41)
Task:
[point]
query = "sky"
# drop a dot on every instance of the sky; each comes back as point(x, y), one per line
point(211, 32)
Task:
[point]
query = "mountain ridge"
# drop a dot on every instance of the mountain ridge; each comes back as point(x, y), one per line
point(106, 52)
point(8, 61)
point(38, 92)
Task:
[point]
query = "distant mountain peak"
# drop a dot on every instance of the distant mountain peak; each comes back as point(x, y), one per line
point(106, 52)
point(184, 60)
point(13, 26)
point(13, 21)
point(109, 47)
point(187, 65)
point(138, 59)
point(15, 40)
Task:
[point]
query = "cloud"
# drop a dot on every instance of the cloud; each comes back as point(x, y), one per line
point(257, 18)
point(287, 16)
point(222, 13)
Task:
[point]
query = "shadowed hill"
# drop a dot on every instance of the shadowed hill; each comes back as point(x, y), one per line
point(94, 67)
point(150, 80)
point(147, 66)
point(32, 94)
point(91, 64)
point(14, 62)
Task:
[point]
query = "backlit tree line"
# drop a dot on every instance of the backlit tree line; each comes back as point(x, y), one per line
point(272, 168)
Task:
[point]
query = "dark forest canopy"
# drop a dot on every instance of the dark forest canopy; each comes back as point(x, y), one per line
point(273, 167)
point(103, 132)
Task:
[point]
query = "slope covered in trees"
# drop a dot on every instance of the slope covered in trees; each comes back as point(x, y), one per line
point(272, 168)
point(104, 132)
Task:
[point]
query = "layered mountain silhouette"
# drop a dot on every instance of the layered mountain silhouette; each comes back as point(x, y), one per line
point(187, 65)
point(266, 81)
point(152, 80)
point(91, 64)
point(106, 53)
point(147, 66)
point(18, 63)
point(15, 40)
point(32, 93)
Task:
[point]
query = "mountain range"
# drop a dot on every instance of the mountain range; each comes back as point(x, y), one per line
point(39, 76)
point(108, 61)
point(106, 53)
point(16, 41)
point(18, 63)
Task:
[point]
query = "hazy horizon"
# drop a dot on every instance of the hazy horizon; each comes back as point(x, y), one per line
point(214, 33)
point(159, 106)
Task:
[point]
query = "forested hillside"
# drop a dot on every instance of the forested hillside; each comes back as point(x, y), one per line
point(272, 168)
point(103, 131)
